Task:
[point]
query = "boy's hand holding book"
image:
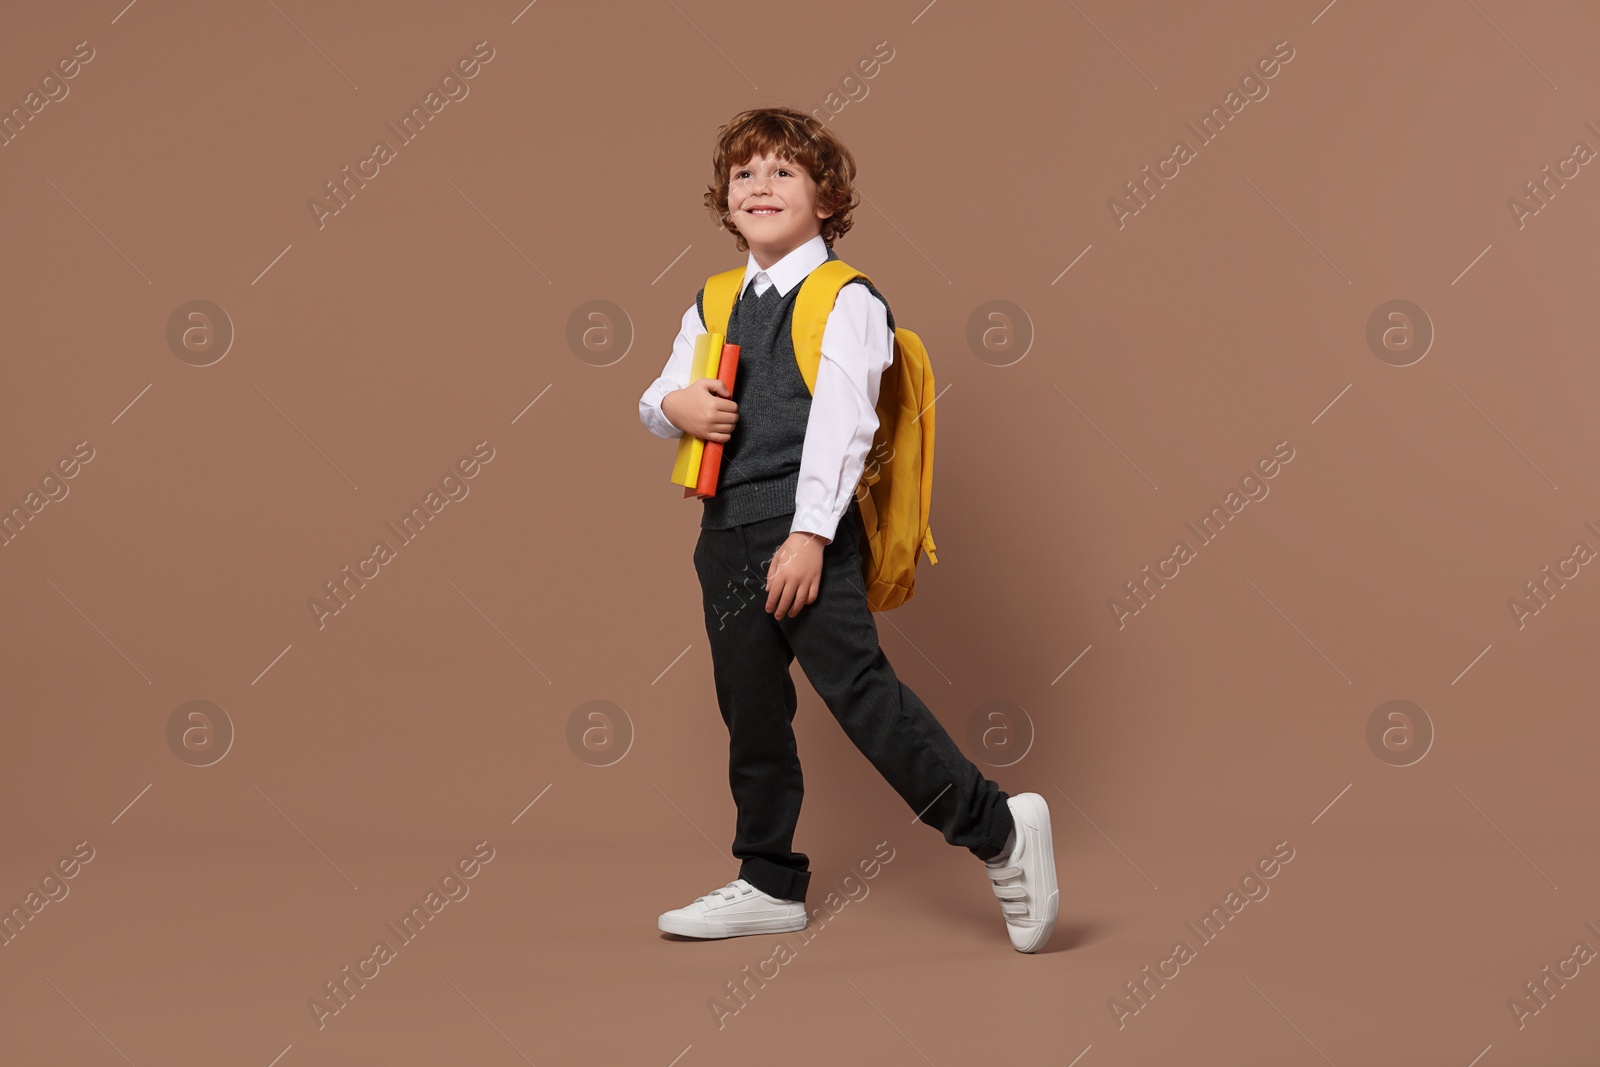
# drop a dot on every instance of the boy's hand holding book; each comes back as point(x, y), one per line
point(706, 413)
point(702, 409)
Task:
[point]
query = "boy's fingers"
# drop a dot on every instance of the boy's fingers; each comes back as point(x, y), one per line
point(785, 596)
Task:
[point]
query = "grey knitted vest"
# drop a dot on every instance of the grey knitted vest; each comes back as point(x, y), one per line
point(761, 459)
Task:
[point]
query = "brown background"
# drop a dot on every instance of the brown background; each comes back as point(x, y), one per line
point(370, 354)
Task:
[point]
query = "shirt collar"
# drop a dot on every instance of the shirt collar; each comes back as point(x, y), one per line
point(792, 269)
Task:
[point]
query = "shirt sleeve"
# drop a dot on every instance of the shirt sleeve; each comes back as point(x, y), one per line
point(856, 349)
point(675, 375)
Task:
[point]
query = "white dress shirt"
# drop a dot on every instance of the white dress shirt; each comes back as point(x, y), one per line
point(856, 349)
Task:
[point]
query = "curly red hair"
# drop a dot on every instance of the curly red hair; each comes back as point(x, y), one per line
point(791, 135)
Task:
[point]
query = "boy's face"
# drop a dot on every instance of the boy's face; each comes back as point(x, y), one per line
point(773, 204)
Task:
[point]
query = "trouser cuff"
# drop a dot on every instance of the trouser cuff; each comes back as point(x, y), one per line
point(782, 882)
point(996, 841)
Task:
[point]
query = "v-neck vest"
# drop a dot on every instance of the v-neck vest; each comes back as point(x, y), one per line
point(760, 471)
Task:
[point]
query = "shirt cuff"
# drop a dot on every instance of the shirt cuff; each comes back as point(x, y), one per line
point(650, 413)
point(824, 523)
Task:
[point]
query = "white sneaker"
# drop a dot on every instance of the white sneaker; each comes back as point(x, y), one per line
point(736, 909)
point(1025, 881)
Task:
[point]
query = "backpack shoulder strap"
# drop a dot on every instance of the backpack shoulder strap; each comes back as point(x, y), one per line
point(716, 306)
point(817, 295)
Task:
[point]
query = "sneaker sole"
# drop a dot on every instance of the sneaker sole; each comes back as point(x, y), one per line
point(1038, 811)
point(687, 927)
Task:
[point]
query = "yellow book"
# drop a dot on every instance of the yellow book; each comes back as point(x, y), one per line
point(703, 364)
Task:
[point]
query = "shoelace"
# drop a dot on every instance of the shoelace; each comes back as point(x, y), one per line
point(1011, 896)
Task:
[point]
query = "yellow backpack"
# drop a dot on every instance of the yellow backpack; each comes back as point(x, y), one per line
point(896, 485)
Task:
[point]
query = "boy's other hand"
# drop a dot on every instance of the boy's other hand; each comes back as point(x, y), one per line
point(703, 409)
point(794, 574)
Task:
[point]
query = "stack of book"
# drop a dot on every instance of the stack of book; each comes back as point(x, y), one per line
point(699, 461)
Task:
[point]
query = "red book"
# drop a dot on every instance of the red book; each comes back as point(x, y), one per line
point(711, 458)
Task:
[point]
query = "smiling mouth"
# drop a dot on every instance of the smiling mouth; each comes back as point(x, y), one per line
point(764, 211)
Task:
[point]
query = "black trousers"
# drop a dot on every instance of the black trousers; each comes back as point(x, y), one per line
point(836, 640)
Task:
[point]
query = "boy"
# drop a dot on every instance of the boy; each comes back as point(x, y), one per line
point(784, 521)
